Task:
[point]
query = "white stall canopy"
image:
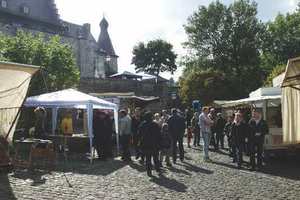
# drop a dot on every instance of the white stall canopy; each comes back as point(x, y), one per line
point(71, 98)
point(291, 102)
point(14, 82)
point(256, 98)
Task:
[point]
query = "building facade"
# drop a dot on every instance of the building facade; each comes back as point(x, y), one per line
point(95, 59)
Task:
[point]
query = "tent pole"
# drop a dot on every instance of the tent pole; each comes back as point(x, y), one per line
point(90, 129)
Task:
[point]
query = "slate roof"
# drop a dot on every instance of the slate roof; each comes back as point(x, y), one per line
point(104, 41)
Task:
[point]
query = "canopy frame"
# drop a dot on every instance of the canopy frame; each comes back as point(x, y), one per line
point(89, 105)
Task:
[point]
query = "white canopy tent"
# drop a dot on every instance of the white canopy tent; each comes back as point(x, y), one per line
point(71, 98)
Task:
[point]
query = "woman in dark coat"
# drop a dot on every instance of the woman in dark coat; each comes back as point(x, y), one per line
point(150, 135)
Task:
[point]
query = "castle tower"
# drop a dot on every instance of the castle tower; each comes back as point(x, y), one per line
point(105, 47)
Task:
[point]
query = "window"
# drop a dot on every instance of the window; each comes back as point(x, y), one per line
point(4, 4)
point(25, 10)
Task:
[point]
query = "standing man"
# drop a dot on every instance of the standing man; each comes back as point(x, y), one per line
point(259, 128)
point(176, 125)
point(220, 124)
point(136, 121)
point(227, 131)
point(212, 116)
point(239, 132)
point(125, 134)
point(196, 129)
point(205, 124)
point(103, 128)
point(150, 142)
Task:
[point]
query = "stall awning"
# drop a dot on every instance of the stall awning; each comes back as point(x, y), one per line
point(14, 83)
point(249, 100)
point(292, 74)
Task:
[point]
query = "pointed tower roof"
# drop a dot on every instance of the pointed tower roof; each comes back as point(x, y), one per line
point(104, 42)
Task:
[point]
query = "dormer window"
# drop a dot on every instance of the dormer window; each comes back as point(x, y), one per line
point(3, 4)
point(26, 10)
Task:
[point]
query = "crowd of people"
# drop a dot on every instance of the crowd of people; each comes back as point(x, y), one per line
point(159, 137)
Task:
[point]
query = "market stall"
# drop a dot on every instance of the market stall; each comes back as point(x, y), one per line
point(268, 101)
point(71, 98)
point(291, 102)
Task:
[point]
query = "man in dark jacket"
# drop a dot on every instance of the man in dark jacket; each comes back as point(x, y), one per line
point(103, 128)
point(220, 124)
point(259, 129)
point(239, 131)
point(150, 135)
point(176, 125)
point(227, 131)
point(136, 121)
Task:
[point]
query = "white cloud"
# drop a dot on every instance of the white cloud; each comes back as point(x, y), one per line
point(133, 21)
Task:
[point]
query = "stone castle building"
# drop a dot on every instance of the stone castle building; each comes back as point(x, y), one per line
point(95, 59)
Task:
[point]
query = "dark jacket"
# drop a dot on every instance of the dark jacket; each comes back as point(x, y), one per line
point(220, 124)
point(150, 135)
point(259, 130)
point(135, 123)
point(103, 130)
point(176, 126)
point(239, 132)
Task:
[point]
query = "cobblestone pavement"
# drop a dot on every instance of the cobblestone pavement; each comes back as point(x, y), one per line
point(192, 179)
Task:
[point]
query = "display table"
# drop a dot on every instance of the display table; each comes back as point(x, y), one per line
point(33, 151)
point(76, 143)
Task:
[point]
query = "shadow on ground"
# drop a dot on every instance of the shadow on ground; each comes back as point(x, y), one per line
point(169, 183)
point(282, 167)
point(194, 168)
point(6, 191)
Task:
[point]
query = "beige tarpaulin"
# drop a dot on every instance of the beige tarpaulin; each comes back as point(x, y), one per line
point(14, 82)
point(291, 102)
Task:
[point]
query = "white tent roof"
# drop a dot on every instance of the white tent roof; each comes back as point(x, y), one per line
point(68, 98)
point(247, 100)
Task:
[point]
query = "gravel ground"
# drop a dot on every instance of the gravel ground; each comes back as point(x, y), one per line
point(191, 179)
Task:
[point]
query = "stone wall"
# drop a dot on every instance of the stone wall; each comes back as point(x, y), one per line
point(140, 88)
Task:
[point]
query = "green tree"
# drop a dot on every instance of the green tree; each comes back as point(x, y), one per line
point(279, 69)
point(59, 70)
point(228, 40)
point(154, 57)
point(202, 85)
point(282, 40)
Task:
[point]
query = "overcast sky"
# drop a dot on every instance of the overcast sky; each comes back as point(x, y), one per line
point(132, 21)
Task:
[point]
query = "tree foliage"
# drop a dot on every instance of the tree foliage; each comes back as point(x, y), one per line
point(154, 57)
point(57, 59)
point(282, 40)
point(279, 69)
point(226, 39)
point(204, 85)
